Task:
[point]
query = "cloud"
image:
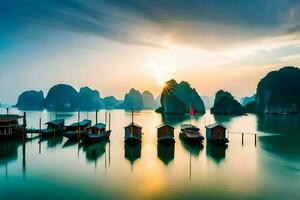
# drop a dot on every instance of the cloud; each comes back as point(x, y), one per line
point(204, 23)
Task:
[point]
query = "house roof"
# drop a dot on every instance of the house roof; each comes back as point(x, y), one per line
point(164, 125)
point(82, 123)
point(133, 124)
point(9, 117)
point(99, 126)
point(210, 126)
point(56, 122)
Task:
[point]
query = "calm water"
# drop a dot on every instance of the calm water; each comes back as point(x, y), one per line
point(58, 169)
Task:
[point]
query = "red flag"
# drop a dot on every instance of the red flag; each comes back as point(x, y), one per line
point(192, 111)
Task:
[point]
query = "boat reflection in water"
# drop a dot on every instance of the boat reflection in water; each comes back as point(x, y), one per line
point(193, 148)
point(132, 152)
point(95, 151)
point(165, 152)
point(216, 152)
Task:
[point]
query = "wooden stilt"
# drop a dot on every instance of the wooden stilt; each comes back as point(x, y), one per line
point(255, 140)
point(242, 139)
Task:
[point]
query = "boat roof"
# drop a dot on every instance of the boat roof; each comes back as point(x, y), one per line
point(185, 126)
point(164, 125)
point(210, 126)
point(9, 117)
point(82, 123)
point(133, 124)
point(56, 122)
point(100, 126)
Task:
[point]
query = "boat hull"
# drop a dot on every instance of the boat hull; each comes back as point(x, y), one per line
point(166, 140)
point(93, 138)
point(219, 141)
point(133, 140)
point(197, 139)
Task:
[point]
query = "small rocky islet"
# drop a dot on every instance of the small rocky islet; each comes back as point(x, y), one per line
point(277, 93)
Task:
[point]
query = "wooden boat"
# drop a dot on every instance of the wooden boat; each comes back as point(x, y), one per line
point(133, 132)
point(55, 127)
point(165, 134)
point(97, 133)
point(216, 133)
point(77, 130)
point(10, 127)
point(191, 133)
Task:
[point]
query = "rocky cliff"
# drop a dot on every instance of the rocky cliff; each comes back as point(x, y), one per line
point(279, 92)
point(225, 104)
point(31, 100)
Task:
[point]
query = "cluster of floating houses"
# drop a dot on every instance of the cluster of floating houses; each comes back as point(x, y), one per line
point(86, 132)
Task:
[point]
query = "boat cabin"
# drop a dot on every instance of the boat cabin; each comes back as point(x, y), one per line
point(215, 131)
point(83, 125)
point(98, 128)
point(56, 124)
point(134, 130)
point(165, 130)
point(9, 124)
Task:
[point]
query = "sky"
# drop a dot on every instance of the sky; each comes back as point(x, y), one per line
point(115, 45)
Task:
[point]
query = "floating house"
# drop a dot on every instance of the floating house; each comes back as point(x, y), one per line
point(133, 133)
point(76, 130)
point(216, 133)
point(165, 134)
point(9, 125)
point(54, 127)
point(98, 128)
point(83, 125)
point(56, 124)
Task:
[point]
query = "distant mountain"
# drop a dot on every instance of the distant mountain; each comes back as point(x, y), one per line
point(89, 99)
point(250, 107)
point(157, 99)
point(208, 102)
point(177, 98)
point(31, 100)
point(62, 97)
point(279, 92)
point(132, 100)
point(148, 100)
point(225, 104)
point(111, 102)
point(246, 100)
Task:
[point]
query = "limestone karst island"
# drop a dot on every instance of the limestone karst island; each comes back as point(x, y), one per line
point(136, 99)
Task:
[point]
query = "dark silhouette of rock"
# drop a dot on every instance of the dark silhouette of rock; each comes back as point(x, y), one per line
point(225, 104)
point(250, 107)
point(89, 99)
point(111, 102)
point(31, 100)
point(246, 100)
point(133, 100)
point(208, 102)
point(279, 92)
point(62, 97)
point(148, 100)
point(176, 99)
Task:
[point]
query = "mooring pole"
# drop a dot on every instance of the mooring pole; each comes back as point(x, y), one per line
point(7, 110)
point(105, 119)
point(24, 125)
point(242, 139)
point(78, 128)
point(96, 117)
point(40, 126)
point(255, 139)
point(109, 121)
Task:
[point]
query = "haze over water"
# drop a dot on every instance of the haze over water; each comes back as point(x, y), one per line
point(110, 170)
